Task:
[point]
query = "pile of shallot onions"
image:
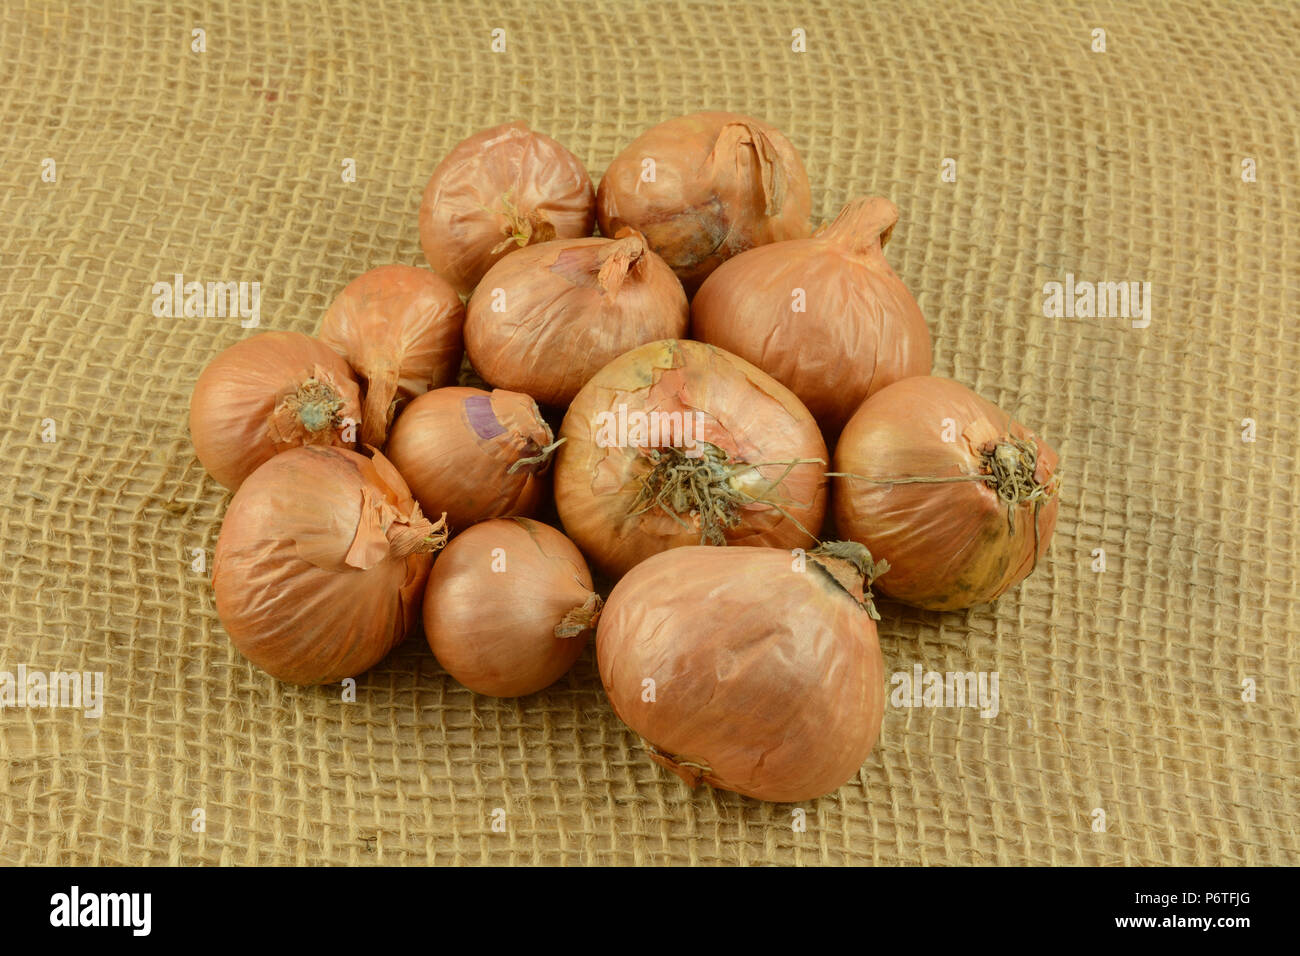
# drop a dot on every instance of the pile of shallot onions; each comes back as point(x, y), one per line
point(730, 416)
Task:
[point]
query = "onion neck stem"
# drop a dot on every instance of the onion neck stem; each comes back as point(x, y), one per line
point(522, 228)
point(863, 225)
point(851, 566)
point(581, 618)
point(418, 536)
point(537, 462)
point(771, 172)
point(618, 258)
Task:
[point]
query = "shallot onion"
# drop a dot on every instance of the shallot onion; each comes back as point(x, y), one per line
point(959, 499)
point(399, 328)
point(266, 394)
point(547, 318)
point(754, 670)
point(321, 563)
point(473, 454)
point(679, 443)
point(826, 316)
point(509, 607)
point(704, 187)
point(498, 190)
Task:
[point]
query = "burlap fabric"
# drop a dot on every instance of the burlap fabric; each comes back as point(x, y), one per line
point(1121, 691)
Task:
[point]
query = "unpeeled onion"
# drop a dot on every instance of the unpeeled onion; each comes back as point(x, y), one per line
point(749, 669)
point(546, 318)
point(959, 499)
point(739, 464)
point(399, 328)
point(473, 454)
point(704, 187)
point(266, 394)
point(321, 563)
point(509, 607)
point(826, 316)
point(498, 190)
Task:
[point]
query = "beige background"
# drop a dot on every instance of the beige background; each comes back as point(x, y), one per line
point(1119, 691)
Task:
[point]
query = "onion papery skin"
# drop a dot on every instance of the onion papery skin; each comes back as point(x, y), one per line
point(746, 414)
point(861, 330)
point(242, 410)
point(501, 189)
point(456, 448)
point(767, 680)
point(723, 183)
point(546, 318)
point(400, 329)
point(496, 599)
point(321, 564)
point(949, 544)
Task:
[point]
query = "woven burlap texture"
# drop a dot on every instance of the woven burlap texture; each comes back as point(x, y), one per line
point(1125, 692)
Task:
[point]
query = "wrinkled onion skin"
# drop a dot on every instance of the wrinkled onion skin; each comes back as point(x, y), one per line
point(237, 394)
point(284, 590)
point(399, 328)
point(771, 677)
point(462, 215)
point(450, 468)
point(707, 202)
point(861, 332)
point(745, 408)
point(494, 631)
point(560, 326)
point(948, 545)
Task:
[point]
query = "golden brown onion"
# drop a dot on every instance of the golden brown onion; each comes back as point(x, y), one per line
point(473, 454)
point(545, 319)
point(266, 394)
point(509, 607)
point(751, 669)
point(501, 189)
point(399, 328)
point(958, 498)
point(679, 443)
point(826, 316)
point(321, 564)
point(704, 187)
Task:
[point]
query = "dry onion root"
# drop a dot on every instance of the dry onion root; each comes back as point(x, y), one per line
point(959, 498)
point(509, 607)
point(473, 454)
point(267, 394)
point(752, 669)
point(501, 189)
point(320, 565)
point(545, 319)
point(747, 473)
point(399, 328)
point(722, 183)
point(825, 316)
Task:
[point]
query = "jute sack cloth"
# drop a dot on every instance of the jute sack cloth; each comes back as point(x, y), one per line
point(1146, 712)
